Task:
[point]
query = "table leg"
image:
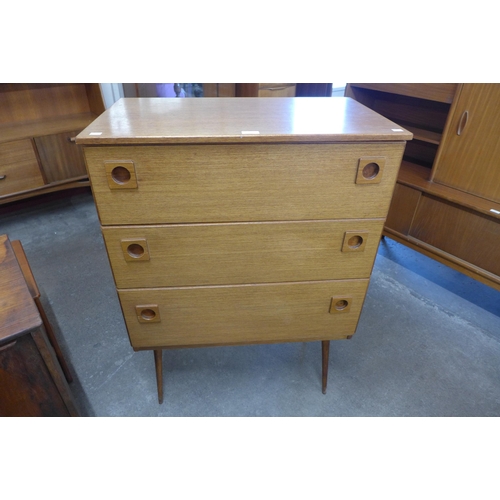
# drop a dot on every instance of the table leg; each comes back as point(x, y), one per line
point(159, 373)
point(53, 340)
point(325, 352)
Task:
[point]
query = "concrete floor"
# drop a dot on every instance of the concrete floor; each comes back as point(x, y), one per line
point(428, 342)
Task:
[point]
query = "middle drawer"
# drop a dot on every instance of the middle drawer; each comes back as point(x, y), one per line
point(234, 253)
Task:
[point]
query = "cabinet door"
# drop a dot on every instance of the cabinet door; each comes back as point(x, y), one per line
point(19, 170)
point(60, 157)
point(469, 155)
point(463, 233)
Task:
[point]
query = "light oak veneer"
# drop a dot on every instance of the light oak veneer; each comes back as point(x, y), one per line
point(245, 220)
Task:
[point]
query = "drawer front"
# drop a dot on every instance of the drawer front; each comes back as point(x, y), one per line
point(219, 254)
point(197, 316)
point(19, 170)
point(236, 183)
point(443, 225)
point(60, 157)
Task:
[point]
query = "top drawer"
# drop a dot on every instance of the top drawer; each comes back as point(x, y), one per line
point(251, 182)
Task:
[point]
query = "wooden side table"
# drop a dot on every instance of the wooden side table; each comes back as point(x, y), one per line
point(32, 382)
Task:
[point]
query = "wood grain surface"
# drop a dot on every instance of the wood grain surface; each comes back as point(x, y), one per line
point(469, 155)
point(243, 314)
point(441, 92)
point(235, 183)
point(443, 225)
point(239, 120)
point(19, 170)
point(212, 254)
point(18, 312)
point(27, 385)
point(61, 159)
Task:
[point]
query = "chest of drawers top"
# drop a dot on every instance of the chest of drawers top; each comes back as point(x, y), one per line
point(239, 159)
point(239, 120)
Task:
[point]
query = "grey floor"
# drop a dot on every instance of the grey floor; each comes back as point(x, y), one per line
point(428, 342)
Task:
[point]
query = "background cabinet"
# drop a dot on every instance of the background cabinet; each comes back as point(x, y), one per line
point(265, 89)
point(38, 124)
point(184, 89)
point(469, 158)
point(447, 199)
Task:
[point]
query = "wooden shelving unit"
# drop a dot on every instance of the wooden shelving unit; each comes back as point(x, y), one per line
point(447, 198)
point(38, 124)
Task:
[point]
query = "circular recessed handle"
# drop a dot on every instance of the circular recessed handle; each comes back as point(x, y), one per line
point(120, 175)
point(355, 241)
point(135, 250)
point(371, 170)
point(341, 304)
point(148, 314)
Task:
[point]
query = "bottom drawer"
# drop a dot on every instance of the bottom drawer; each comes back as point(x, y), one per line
point(215, 315)
point(458, 231)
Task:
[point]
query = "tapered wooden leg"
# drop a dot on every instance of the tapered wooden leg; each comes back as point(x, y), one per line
point(325, 352)
point(159, 373)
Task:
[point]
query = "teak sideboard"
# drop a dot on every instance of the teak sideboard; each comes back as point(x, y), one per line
point(446, 203)
point(241, 220)
point(38, 126)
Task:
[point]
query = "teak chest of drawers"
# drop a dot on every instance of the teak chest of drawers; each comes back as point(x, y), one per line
point(237, 221)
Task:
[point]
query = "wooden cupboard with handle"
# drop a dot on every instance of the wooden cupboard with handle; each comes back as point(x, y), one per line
point(38, 126)
point(469, 159)
point(446, 203)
